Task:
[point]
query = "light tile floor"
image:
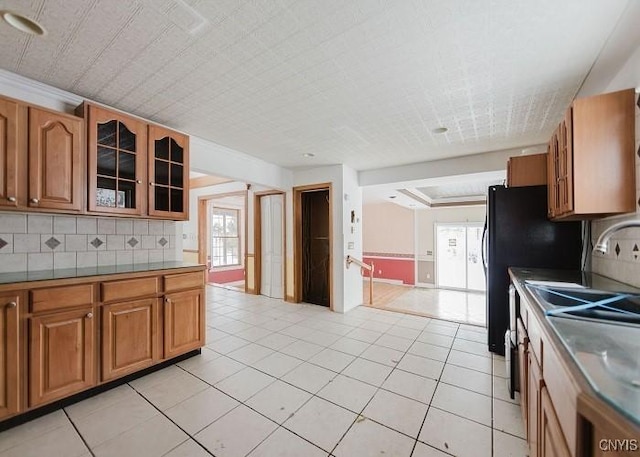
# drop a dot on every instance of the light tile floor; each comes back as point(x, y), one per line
point(278, 379)
point(455, 305)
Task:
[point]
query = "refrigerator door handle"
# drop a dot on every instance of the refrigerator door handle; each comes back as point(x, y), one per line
point(484, 246)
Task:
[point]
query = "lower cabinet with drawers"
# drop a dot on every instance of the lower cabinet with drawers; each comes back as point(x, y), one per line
point(63, 337)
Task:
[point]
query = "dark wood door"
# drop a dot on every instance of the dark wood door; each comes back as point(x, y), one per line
point(61, 355)
point(129, 337)
point(168, 173)
point(184, 327)
point(10, 378)
point(117, 162)
point(13, 143)
point(56, 164)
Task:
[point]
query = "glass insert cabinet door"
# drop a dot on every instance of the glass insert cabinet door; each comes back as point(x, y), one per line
point(168, 173)
point(117, 162)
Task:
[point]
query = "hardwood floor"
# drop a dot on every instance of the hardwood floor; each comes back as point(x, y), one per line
point(383, 293)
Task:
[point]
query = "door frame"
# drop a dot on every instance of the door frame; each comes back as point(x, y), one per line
point(257, 239)
point(466, 225)
point(297, 238)
point(203, 232)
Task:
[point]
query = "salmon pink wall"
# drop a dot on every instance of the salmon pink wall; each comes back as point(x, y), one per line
point(225, 276)
point(401, 268)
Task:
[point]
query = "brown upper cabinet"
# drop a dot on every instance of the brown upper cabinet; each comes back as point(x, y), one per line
point(135, 168)
point(527, 170)
point(13, 190)
point(168, 173)
point(117, 160)
point(42, 158)
point(591, 163)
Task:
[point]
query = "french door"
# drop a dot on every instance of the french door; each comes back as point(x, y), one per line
point(458, 256)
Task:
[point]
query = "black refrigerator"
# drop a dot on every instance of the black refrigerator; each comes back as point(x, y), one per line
point(518, 234)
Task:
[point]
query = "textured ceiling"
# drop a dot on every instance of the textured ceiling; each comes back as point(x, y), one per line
point(360, 82)
point(459, 190)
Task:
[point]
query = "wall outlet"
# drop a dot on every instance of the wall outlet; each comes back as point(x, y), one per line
point(429, 252)
point(350, 245)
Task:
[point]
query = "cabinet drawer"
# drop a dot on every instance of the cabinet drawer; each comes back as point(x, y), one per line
point(129, 288)
point(183, 281)
point(60, 297)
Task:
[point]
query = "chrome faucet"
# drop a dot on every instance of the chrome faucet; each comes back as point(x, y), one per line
point(603, 240)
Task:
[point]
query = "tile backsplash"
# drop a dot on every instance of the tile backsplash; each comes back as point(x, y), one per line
point(30, 242)
point(622, 261)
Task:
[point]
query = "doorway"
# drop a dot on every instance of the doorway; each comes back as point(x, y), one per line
point(269, 244)
point(458, 257)
point(222, 235)
point(313, 244)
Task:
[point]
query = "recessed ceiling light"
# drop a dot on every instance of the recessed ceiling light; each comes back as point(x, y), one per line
point(308, 155)
point(22, 23)
point(439, 130)
point(392, 196)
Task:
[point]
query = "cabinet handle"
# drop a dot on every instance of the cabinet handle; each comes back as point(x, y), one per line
point(35, 200)
point(89, 315)
point(11, 199)
point(139, 181)
point(12, 304)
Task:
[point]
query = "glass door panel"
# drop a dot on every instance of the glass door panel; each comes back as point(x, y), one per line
point(451, 261)
point(475, 272)
point(459, 261)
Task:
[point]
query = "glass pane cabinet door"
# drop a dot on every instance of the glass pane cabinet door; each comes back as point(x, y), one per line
point(117, 162)
point(169, 172)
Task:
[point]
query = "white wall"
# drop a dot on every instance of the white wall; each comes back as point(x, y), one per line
point(352, 201)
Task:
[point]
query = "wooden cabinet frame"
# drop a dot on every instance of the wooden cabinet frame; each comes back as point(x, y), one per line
point(13, 157)
point(10, 376)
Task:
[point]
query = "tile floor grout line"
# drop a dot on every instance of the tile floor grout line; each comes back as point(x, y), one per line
point(378, 388)
point(170, 420)
point(78, 432)
point(431, 401)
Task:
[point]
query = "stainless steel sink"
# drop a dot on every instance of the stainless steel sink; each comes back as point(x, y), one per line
point(609, 306)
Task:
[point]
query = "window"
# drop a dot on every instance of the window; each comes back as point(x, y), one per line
point(225, 241)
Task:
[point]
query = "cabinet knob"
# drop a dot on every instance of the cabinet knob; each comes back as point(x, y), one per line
point(11, 199)
point(152, 184)
point(139, 181)
point(167, 300)
point(89, 315)
point(35, 200)
point(12, 304)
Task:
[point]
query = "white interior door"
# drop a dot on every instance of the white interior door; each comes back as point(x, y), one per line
point(272, 246)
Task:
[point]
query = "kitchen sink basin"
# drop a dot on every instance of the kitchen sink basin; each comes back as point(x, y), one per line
point(589, 303)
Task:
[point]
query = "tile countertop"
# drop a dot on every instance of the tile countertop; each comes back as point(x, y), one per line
point(67, 273)
point(606, 353)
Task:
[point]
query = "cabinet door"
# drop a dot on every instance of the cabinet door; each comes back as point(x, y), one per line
point(13, 176)
point(552, 442)
point(184, 328)
point(533, 404)
point(566, 165)
point(55, 160)
point(117, 162)
point(9, 371)
point(523, 370)
point(61, 355)
point(129, 337)
point(168, 174)
point(555, 176)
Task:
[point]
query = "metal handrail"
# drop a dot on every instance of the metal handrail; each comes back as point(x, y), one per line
point(367, 267)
